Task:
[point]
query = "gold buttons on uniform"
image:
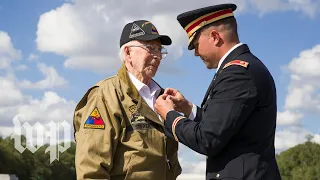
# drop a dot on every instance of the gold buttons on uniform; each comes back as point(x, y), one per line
point(218, 175)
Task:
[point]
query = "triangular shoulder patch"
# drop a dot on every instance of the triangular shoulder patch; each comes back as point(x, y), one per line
point(94, 120)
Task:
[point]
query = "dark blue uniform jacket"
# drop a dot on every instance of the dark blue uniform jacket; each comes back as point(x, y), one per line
point(235, 126)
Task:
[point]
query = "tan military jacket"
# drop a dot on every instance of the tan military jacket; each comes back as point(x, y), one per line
point(118, 136)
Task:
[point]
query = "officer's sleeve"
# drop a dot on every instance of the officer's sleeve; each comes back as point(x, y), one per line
point(96, 135)
point(232, 101)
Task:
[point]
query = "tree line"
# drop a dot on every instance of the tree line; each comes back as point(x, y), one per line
point(36, 166)
point(297, 163)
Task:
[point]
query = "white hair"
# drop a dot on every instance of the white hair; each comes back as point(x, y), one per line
point(121, 52)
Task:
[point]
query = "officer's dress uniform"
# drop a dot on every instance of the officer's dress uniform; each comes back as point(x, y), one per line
point(119, 136)
point(235, 126)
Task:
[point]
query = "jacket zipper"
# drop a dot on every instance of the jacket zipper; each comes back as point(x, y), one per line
point(165, 152)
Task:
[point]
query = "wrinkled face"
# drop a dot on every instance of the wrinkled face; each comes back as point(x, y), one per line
point(145, 57)
point(206, 47)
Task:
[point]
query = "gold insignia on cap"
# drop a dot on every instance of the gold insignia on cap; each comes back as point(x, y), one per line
point(204, 20)
point(145, 23)
point(203, 23)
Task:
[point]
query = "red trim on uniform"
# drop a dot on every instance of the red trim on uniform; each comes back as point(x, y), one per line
point(237, 62)
point(220, 13)
point(173, 127)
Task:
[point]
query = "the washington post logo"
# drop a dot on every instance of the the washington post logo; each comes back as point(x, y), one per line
point(37, 135)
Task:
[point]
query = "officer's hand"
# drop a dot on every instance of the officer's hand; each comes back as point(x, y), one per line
point(180, 102)
point(163, 105)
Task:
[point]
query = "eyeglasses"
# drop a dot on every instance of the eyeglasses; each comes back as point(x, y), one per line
point(152, 49)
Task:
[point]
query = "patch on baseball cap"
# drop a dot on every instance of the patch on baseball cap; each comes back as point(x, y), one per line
point(142, 30)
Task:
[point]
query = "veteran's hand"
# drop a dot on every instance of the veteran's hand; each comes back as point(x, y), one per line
point(181, 104)
point(163, 105)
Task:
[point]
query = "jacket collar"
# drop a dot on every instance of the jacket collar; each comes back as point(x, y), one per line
point(130, 89)
point(232, 56)
point(124, 77)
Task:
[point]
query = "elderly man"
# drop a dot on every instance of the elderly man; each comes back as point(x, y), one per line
point(118, 134)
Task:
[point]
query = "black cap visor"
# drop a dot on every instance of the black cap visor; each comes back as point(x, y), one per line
point(191, 46)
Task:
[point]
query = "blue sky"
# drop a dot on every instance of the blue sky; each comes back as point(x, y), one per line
point(53, 51)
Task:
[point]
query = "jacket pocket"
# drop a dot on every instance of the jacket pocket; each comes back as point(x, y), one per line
point(234, 170)
point(128, 166)
point(175, 167)
point(129, 161)
point(262, 169)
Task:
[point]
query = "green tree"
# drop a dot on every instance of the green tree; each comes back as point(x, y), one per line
point(300, 162)
point(35, 166)
point(11, 161)
point(309, 137)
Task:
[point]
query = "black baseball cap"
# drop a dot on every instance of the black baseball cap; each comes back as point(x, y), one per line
point(142, 30)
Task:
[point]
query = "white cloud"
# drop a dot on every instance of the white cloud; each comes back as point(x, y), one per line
point(99, 64)
point(51, 107)
point(199, 167)
point(295, 98)
point(316, 138)
point(88, 32)
point(290, 137)
point(91, 31)
point(62, 31)
point(13, 102)
point(6, 131)
point(304, 86)
point(52, 79)
point(7, 51)
point(33, 57)
point(288, 118)
point(303, 97)
point(11, 94)
point(191, 176)
point(192, 168)
point(308, 7)
point(87, 38)
point(307, 64)
point(192, 163)
point(8, 112)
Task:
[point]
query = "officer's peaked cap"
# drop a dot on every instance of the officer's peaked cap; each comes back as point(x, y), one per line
point(193, 21)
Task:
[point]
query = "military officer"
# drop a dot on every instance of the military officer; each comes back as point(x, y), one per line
point(118, 134)
point(235, 125)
